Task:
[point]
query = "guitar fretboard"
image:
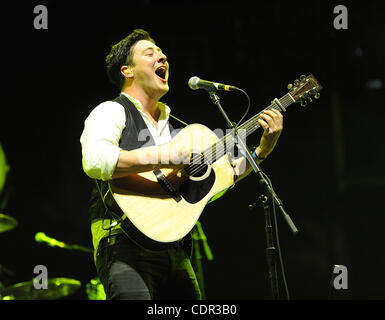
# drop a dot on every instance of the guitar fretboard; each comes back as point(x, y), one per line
point(226, 143)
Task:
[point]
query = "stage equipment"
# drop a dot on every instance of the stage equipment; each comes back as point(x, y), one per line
point(7, 223)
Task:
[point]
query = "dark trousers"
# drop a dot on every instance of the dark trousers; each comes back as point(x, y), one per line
point(130, 272)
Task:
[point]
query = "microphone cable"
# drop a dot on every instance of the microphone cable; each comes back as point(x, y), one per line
point(247, 109)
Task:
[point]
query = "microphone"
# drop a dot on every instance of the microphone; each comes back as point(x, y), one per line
point(195, 83)
point(41, 237)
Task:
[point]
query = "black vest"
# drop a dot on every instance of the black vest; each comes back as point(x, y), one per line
point(129, 140)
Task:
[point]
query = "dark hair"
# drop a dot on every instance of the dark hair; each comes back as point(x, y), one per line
point(121, 54)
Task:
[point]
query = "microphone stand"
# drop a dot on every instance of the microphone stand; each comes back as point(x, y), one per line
point(271, 251)
point(268, 194)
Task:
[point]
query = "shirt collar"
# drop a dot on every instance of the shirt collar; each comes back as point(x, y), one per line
point(163, 108)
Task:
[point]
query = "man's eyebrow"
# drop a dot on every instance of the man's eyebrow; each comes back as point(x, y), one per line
point(153, 48)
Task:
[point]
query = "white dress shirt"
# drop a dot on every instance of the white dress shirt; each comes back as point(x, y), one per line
point(103, 129)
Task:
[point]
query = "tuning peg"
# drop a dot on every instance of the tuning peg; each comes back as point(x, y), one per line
point(302, 77)
point(303, 103)
point(289, 86)
point(296, 81)
point(310, 99)
point(317, 95)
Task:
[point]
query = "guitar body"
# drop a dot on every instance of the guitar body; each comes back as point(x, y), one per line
point(161, 215)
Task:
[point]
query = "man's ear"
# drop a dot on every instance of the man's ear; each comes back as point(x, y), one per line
point(127, 72)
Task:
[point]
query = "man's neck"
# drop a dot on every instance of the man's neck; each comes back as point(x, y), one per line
point(149, 104)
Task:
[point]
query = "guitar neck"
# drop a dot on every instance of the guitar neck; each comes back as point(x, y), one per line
point(279, 104)
point(227, 143)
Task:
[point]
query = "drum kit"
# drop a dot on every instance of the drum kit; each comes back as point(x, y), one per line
point(56, 288)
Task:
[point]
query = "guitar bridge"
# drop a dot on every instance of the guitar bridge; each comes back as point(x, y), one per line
point(167, 186)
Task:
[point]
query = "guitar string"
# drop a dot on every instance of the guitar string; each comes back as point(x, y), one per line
point(229, 140)
point(252, 123)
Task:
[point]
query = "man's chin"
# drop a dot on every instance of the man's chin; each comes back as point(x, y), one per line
point(163, 90)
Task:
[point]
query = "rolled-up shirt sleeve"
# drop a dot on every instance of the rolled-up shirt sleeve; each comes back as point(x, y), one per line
point(100, 140)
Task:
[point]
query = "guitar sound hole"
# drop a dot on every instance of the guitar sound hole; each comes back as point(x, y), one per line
point(195, 189)
point(197, 168)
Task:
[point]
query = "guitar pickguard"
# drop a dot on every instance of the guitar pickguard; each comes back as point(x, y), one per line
point(194, 190)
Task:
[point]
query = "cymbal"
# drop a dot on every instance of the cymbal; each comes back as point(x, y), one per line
point(7, 223)
point(56, 288)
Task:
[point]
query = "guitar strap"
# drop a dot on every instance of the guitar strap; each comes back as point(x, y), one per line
point(182, 122)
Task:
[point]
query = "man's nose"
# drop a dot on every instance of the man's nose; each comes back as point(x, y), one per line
point(162, 58)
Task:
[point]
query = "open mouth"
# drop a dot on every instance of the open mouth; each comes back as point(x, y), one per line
point(161, 72)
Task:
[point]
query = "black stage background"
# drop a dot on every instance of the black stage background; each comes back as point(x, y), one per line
point(328, 166)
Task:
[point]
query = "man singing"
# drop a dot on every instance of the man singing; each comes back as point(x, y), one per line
point(111, 150)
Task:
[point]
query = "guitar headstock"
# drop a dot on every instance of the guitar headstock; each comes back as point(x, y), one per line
point(304, 89)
